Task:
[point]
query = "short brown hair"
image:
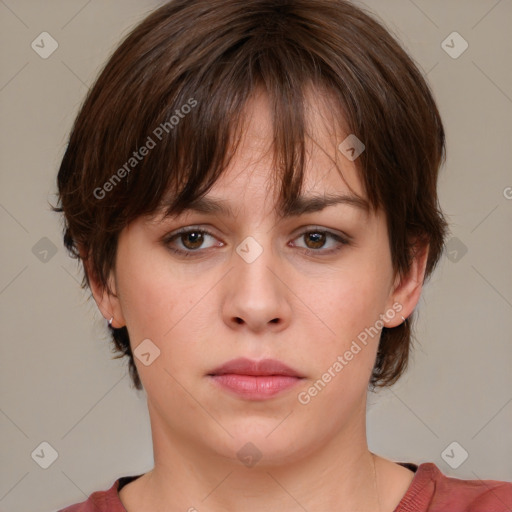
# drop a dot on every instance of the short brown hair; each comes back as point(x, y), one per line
point(216, 53)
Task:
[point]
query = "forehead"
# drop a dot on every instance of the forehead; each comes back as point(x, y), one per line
point(329, 177)
point(326, 166)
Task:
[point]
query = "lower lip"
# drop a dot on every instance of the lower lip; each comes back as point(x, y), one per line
point(256, 387)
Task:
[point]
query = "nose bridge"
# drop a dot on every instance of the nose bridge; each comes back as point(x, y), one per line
point(253, 262)
point(255, 294)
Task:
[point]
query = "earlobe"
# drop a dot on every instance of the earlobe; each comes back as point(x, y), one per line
point(107, 301)
point(407, 290)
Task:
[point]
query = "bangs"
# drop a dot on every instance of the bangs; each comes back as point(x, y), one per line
point(189, 160)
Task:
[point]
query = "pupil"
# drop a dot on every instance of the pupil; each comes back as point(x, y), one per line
point(196, 239)
point(318, 239)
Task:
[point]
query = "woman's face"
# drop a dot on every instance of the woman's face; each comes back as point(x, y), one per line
point(258, 287)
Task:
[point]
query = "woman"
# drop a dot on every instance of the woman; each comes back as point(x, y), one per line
point(252, 189)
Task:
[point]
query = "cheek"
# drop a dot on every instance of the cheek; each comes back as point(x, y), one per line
point(146, 303)
point(352, 303)
point(165, 306)
point(151, 298)
point(342, 359)
point(155, 310)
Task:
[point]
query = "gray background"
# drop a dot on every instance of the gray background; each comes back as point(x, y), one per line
point(58, 381)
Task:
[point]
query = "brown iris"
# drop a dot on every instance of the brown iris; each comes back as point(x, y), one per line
point(196, 238)
point(318, 239)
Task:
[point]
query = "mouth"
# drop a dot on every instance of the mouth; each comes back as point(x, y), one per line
point(255, 380)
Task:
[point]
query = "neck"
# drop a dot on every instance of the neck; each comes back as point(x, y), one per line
point(338, 475)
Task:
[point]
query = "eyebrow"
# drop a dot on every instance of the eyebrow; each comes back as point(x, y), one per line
point(301, 205)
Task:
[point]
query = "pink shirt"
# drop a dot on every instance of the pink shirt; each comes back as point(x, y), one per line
point(430, 491)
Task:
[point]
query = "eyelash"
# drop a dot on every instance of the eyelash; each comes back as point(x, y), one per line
point(342, 241)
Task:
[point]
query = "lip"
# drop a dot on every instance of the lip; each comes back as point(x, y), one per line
point(255, 380)
point(264, 367)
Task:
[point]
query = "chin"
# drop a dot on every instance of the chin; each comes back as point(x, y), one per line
point(258, 443)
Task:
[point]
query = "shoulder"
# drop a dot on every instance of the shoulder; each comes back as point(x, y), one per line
point(99, 501)
point(432, 491)
point(476, 495)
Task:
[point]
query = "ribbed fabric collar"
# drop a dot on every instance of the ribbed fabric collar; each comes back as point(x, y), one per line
point(416, 499)
point(420, 491)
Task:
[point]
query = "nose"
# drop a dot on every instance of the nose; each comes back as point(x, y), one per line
point(255, 293)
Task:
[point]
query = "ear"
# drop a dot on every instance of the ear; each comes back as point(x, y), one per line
point(407, 291)
point(108, 303)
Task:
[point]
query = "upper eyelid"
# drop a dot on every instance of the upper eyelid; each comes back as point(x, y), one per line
point(297, 231)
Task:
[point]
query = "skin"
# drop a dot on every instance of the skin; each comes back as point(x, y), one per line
point(205, 310)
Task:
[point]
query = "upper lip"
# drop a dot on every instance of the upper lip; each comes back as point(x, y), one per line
point(244, 366)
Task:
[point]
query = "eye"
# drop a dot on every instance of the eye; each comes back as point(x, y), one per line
point(191, 240)
point(315, 241)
